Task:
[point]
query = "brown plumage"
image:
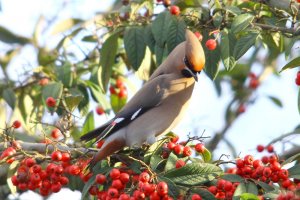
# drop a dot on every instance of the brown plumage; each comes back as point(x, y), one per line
point(158, 106)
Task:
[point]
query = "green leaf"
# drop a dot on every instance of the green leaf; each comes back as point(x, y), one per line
point(26, 106)
point(172, 188)
point(227, 50)
point(292, 64)
point(98, 95)
point(160, 28)
point(64, 74)
point(84, 104)
point(204, 193)
point(212, 63)
point(154, 149)
point(159, 52)
point(107, 58)
point(65, 25)
point(276, 101)
point(171, 162)
point(232, 178)
point(72, 101)
point(249, 196)
point(299, 101)
point(149, 38)
point(134, 46)
point(9, 37)
point(266, 187)
point(291, 159)
point(206, 155)
point(245, 187)
point(89, 123)
point(294, 172)
point(194, 174)
point(52, 90)
point(10, 97)
point(176, 33)
point(243, 44)
point(155, 161)
point(117, 103)
point(241, 22)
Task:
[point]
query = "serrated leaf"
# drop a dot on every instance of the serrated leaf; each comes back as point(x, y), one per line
point(241, 22)
point(73, 101)
point(9, 37)
point(292, 64)
point(232, 178)
point(64, 74)
point(276, 101)
point(294, 172)
point(194, 174)
point(249, 196)
point(149, 38)
point(65, 25)
point(227, 51)
point(172, 188)
point(107, 58)
point(244, 44)
point(89, 123)
point(176, 33)
point(134, 46)
point(160, 28)
point(159, 52)
point(10, 97)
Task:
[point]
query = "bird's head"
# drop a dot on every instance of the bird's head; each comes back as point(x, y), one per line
point(194, 59)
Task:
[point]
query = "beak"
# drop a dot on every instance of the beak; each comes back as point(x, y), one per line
point(191, 73)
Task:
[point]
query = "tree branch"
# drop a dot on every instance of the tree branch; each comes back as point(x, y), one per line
point(293, 32)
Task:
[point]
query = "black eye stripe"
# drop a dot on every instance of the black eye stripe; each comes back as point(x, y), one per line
point(188, 64)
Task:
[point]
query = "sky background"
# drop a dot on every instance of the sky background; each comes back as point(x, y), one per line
point(261, 122)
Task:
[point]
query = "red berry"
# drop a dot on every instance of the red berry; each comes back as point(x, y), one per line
point(199, 36)
point(14, 180)
point(113, 192)
point(55, 133)
point(252, 75)
point(260, 148)
point(196, 197)
point(273, 158)
point(286, 183)
point(100, 110)
point(275, 166)
point(174, 139)
point(16, 124)
point(240, 163)
point(267, 172)
point(162, 188)
point(257, 163)
point(254, 83)
point(16, 144)
point(200, 148)
point(56, 156)
point(112, 90)
point(178, 149)
point(124, 177)
point(74, 170)
point(124, 197)
point(270, 148)
point(171, 145)
point(115, 173)
point(167, 3)
point(65, 157)
point(100, 178)
point(29, 162)
point(265, 159)
point(221, 184)
point(241, 108)
point(55, 187)
point(211, 44)
point(228, 186)
point(144, 177)
point(93, 190)
point(51, 102)
point(213, 189)
point(179, 164)
point(43, 81)
point(63, 180)
point(119, 83)
point(187, 151)
point(174, 10)
point(122, 93)
point(117, 183)
point(248, 159)
point(35, 178)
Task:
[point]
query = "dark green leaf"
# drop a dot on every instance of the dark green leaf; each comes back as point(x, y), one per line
point(98, 95)
point(171, 161)
point(266, 187)
point(227, 50)
point(194, 174)
point(65, 25)
point(90, 38)
point(292, 64)
point(290, 43)
point(204, 193)
point(212, 63)
point(107, 58)
point(294, 172)
point(155, 161)
point(134, 46)
point(241, 22)
point(232, 178)
point(84, 104)
point(172, 188)
point(276, 101)
point(9, 37)
point(154, 149)
point(176, 33)
point(241, 188)
point(89, 123)
point(159, 52)
point(160, 28)
point(64, 74)
point(245, 187)
point(291, 159)
point(149, 38)
point(10, 97)
point(243, 44)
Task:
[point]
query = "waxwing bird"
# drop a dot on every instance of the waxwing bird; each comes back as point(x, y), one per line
point(158, 106)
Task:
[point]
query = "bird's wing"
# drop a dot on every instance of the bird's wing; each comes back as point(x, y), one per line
point(149, 96)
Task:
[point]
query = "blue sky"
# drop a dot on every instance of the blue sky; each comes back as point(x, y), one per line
point(262, 121)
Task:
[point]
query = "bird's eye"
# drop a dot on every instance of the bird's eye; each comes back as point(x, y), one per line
point(187, 63)
point(186, 73)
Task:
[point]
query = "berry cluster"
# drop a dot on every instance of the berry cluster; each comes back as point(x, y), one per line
point(119, 89)
point(125, 185)
point(223, 189)
point(254, 82)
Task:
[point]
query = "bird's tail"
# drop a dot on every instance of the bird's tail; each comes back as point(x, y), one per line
point(94, 133)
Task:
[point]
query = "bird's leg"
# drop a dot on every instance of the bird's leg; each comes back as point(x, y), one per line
point(152, 174)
